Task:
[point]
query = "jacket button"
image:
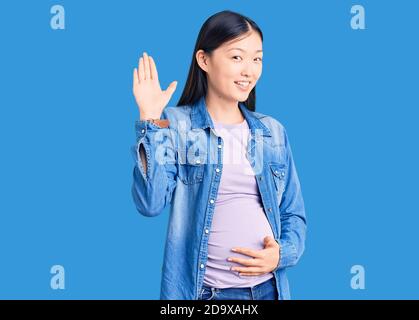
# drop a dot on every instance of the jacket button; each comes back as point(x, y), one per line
point(142, 131)
point(206, 231)
point(198, 161)
point(217, 170)
point(212, 201)
point(219, 146)
point(202, 266)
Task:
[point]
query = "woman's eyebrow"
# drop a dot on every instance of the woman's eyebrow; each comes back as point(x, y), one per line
point(243, 50)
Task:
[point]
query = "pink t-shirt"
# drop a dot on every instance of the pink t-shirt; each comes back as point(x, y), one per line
point(239, 219)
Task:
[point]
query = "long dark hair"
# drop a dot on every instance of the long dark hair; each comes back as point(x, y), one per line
point(218, 29)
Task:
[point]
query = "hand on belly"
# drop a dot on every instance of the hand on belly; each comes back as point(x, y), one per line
point(256, 262)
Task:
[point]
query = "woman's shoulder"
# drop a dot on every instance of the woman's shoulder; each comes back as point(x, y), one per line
point(177, 113)
point(269, 121)
point(275, 126)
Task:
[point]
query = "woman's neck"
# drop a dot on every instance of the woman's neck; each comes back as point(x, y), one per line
point(222, 111)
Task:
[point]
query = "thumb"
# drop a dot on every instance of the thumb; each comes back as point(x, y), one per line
point(171, 88)
point(267, 239)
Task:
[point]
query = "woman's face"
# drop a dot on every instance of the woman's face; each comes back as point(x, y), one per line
point(233, 68)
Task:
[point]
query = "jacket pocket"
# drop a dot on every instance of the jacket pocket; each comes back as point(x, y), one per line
point(278, 171)
point(191, 173)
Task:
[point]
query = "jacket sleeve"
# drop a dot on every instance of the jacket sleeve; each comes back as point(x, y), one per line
point(153, 190)
point(292, 215)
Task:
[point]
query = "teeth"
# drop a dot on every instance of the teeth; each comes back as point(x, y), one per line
point(242, 83)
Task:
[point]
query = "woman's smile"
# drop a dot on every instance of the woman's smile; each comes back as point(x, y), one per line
point(243, 85)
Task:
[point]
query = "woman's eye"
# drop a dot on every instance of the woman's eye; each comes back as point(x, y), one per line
point(238, 58)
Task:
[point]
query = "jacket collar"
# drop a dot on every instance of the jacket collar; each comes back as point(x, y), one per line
point(200, 118)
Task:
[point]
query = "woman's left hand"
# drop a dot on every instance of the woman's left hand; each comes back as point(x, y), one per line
point(263, 261)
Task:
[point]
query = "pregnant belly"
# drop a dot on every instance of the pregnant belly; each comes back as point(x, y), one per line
point(235, 224)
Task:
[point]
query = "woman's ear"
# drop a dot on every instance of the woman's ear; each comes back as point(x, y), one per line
point(202, 60)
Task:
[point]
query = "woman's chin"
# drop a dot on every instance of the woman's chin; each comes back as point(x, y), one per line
point(242, 98)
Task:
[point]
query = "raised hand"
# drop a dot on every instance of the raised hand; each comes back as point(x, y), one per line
point(150, 98)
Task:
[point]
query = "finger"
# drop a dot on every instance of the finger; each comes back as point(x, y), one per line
point(153, 70)
point(246, 262)
point(171, 88)
point(266, 240)
point(135, 77)
point(141, 70)
point(247, 252)
point(251, 273)
point(269, 241)
point(146, 66)
point(246, 269)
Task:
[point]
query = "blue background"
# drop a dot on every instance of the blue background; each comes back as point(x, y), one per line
point(348, 98)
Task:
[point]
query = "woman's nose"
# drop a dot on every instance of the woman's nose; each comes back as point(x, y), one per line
point(247, 70)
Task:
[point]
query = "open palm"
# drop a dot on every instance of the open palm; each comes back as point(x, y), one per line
point(150, 98)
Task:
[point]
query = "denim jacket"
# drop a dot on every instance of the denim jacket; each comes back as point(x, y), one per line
point(184, 167)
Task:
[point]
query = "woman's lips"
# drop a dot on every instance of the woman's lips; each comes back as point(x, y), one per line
point(243, 85)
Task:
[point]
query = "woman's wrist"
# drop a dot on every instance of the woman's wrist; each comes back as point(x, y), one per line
point(149, 116)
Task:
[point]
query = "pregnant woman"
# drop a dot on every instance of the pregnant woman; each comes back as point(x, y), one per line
point(237, 218)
